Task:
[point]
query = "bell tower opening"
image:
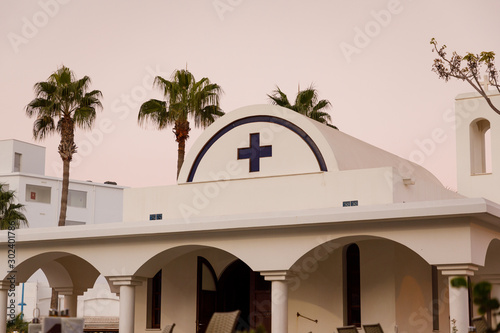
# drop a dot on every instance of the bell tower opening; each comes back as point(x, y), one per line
point(480, 147)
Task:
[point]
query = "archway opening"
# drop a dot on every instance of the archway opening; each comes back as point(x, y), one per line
point(69, 275)
point(320, 287)
point(480, 147)
point(238, 288)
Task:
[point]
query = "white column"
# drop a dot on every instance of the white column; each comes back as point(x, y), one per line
point(279, 300)
point(71, 304)
point(70, 299)
point(127, 301)
point(459, 297)
point(4, 289)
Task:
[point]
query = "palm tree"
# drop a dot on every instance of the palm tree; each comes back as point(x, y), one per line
point(61, 104)
point(17, 324)
point(306, 103)
point(184, 98)
point(10, 213)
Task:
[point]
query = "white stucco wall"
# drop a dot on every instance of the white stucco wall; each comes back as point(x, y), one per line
point(98, 301)
point(32, 159)
point(468, 108)
point(413, 281)
point(308, 191)
point(315, 291)
point(180, 284)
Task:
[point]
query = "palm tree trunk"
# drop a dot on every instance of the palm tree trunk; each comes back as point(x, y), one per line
point(54, 300)
point(181, 151)
point(181, 130)
point(64, 194)
point(67, 148)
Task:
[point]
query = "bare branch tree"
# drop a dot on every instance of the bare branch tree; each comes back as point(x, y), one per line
point(467, 68)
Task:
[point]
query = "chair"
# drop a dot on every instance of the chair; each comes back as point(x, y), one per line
point(347, 329)
point(223, 322)
point(373, 328)
point(168, 329)
point(480, 324)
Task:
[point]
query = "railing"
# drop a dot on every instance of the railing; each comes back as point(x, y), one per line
point(314, 320)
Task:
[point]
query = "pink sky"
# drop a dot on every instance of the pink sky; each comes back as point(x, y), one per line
point(371, 59)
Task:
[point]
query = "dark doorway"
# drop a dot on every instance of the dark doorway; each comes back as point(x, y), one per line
point(260, 302)
point(240, 288)
point(234, 292)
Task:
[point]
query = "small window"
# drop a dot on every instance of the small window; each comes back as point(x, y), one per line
point(77, 199)
point(36, 193)
point(17, 162)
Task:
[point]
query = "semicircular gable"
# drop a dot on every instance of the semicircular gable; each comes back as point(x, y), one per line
point(257, 141)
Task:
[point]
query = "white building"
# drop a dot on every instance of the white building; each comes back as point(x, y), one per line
point(22, 168)
point(277, 215)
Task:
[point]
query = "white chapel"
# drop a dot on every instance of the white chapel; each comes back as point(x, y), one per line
point(301, 227)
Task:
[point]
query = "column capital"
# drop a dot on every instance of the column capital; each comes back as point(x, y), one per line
point(69, 291)
point(5, 284)
point(458, 269)
point(126, 280)
point(492, 278)
point(282, 275)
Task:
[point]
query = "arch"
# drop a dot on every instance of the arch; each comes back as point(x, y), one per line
point(62, 269)
point(491, 264)
point(151, 266)
point(317, 282)
point(480, 154)
point(319, 252)
point(254, 119)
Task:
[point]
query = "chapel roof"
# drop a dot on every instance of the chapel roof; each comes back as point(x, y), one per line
point(300, 146)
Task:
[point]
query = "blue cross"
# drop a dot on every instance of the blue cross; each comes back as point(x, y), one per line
point(22, 304)
point(255, 152)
